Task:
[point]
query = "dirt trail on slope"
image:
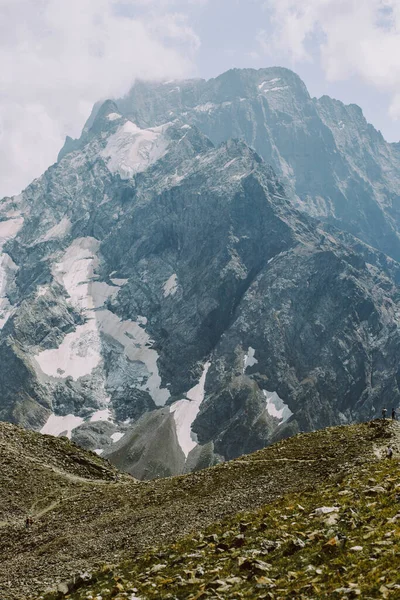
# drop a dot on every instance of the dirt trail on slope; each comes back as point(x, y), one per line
point(62, 472)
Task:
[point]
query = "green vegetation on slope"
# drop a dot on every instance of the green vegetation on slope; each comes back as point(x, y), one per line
point(341, 540)
point(83, 519)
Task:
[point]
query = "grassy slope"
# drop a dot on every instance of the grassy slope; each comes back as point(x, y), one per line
point(98, 521)
point(282, 551)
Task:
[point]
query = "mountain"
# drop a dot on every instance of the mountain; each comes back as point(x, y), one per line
point(83, 518)
point(336, 165)
point(165, 303)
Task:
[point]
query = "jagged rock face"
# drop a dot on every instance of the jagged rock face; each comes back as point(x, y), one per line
point(334, 164)
point(163, 301)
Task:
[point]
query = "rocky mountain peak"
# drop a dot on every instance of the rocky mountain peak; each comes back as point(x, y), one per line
point(203, 272)
point(334, 165)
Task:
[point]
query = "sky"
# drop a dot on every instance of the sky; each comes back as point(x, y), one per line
point(58, 57)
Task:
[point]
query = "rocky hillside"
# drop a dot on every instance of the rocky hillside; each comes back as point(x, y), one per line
point(38, 469)
point(84, 519)
point(339, 540)
point(165, 303)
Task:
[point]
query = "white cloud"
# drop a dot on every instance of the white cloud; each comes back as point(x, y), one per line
point(354, 38)
point(394, 109)
point(175, 27)
point(58, 57)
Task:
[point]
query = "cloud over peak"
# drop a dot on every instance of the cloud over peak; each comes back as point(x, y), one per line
point(352, 38)
point(58, 58)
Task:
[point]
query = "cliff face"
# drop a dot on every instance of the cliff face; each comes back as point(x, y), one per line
point(165, 303)
point(336, 165)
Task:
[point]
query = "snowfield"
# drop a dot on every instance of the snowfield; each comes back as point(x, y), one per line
point(58, 231)
point(249, 359)
point(132, 150)
point(61, 425)
point(276, 407)
point(185, 411)
point(80, 352)
point(171, 286)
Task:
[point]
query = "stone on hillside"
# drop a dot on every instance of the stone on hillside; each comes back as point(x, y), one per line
point(332, 519)
point(234, 580)
point(63, 588)
point(375, 490)
point(157, 568)
point(349, 591)
point(264, 581)
point(216, 584)
point(325, 510)
point(332, 545)
point(294, 546)
point(260, 565)
point(394, 519)
point(269, 545)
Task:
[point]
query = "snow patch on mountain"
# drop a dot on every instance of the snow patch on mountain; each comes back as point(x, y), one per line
point(76, 269)
point(117, 436)
point(9, 229)
point(229, 163)
point(41, 291)
point(249, 359)
point(78, 354)
point(205, 108)
point(132, 150)
point(58, 231)
point(277, 88)
point(276, 407)
point(102, 415)
point(61, 425)
point(265, 86)
point(185, 412)
point(119, 282)
point(81, 350)
point(100, 292)
point(268, 82)
point(8, 270)
point(171, 286)
point(114, 116)
point(137, 347)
